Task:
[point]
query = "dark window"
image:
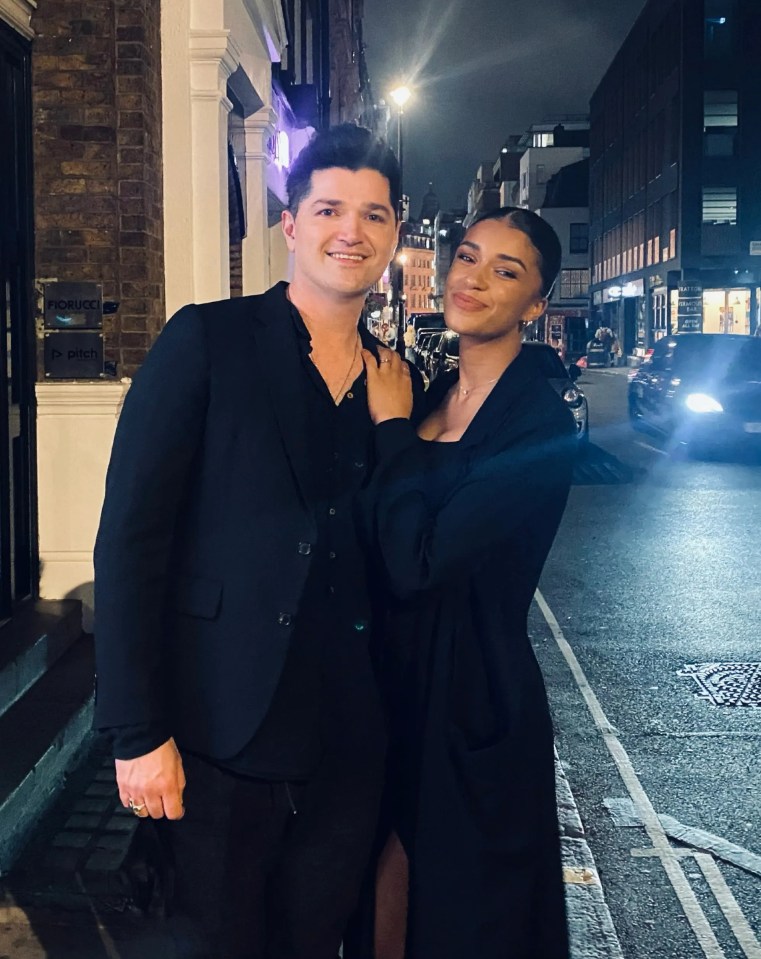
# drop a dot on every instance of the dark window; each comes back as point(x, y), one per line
point(720, 27)
point(579, 238)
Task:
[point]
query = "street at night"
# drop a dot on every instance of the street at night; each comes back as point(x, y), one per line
point(656, 568)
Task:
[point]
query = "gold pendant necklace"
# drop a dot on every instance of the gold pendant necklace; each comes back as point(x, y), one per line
point(473, 388)
point(348, 372)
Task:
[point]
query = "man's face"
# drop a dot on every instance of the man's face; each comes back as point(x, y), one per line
point(344, 232)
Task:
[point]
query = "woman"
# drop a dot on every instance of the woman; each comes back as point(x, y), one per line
point(464, 511)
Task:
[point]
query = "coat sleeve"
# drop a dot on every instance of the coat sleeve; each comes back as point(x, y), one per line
point(159, 432)
point(502, 493)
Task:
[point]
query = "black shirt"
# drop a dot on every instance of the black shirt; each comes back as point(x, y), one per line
point(326, 697)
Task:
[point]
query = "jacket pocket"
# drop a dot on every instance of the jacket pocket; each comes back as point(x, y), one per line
point(196, 596)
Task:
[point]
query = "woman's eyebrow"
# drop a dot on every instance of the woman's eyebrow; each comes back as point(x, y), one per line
point(500, 256)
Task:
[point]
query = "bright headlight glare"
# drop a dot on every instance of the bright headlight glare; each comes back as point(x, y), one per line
point(703, 403)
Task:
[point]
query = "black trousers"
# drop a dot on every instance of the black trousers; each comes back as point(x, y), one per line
point(271, 870)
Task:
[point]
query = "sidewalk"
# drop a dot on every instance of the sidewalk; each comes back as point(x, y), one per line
point(81, 886)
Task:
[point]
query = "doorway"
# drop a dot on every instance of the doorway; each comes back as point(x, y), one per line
point(18, 562)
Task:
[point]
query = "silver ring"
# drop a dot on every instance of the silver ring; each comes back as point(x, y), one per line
point(136, 808)
point(385, 361)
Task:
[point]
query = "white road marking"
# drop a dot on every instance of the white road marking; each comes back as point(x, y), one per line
point(671, 863)
point(653, 449)
point(729, 906)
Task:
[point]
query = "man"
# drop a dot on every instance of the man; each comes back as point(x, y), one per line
point(409, 343)
point(232, 623)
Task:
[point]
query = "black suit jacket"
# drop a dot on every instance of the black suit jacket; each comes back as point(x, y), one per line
point(205, 539)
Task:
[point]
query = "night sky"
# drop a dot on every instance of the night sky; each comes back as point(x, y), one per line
point(483, 69)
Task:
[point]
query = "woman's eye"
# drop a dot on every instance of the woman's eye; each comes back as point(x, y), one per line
point(506, 273)
point(464, 257)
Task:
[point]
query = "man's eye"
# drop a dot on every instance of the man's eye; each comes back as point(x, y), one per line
point(376, 218)
point(326, 212)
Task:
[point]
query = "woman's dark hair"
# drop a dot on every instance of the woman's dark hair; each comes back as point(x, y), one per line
point(543, 238)
point(346, 146)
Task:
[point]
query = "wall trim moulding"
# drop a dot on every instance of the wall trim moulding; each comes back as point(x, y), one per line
point(18, 14)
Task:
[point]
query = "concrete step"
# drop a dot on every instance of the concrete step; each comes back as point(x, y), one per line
point(37, 636)
point(42, 734)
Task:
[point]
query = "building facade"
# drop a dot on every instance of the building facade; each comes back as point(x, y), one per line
point(675, 205)
point(418, 260)
point(546, 148)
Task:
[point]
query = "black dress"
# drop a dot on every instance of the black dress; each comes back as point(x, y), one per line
point(463, 530)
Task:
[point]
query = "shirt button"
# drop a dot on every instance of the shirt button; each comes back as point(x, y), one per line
point(331, 590)
point(331, 555)
point(332, 511)
point(359, 465)
point(349, 395)
point(305, 549)
point(361, 625)
point(284, 619)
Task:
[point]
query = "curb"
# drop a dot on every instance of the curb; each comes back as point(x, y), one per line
point(590, 925)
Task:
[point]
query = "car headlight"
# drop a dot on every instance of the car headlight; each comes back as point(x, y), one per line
point(703, 403)
point(573, 397)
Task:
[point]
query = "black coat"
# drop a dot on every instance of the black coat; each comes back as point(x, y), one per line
point(204, 544)
point(464, 539)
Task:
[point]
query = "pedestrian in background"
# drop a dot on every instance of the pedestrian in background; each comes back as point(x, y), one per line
point(233, 608)
point(464, 510)
point(409, 343)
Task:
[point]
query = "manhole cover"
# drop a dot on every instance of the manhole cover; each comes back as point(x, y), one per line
point(727, 684)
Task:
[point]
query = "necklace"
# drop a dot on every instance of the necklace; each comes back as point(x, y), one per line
point(474, 388)
point(348, 372)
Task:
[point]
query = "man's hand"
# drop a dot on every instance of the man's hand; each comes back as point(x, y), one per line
point(389, 386)
point(155, 781)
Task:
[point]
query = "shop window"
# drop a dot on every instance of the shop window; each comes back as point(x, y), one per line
point(579, 238)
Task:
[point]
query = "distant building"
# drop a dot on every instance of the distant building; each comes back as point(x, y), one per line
point(675, 222)
point(483, 194)
point(448, 231)
point(429, 208)
point(545, 148)
point(566, 209)
point(419, 271)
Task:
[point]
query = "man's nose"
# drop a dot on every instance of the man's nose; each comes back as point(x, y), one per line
point(350, 228)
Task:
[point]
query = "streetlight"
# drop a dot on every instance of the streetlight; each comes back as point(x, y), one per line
point(400, 95)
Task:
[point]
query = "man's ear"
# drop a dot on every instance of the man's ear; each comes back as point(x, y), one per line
point(288, 224)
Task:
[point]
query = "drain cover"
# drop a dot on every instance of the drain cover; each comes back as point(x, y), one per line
point(727, 684)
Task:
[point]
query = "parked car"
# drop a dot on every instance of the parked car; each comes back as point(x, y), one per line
point(549, 364)
point(421, 346)
point(701, 389)
point(444, 354)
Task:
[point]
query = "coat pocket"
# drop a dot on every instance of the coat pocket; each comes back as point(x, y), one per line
point(196, 596)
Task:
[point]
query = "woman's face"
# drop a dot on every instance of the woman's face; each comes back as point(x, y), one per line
point(494, 282)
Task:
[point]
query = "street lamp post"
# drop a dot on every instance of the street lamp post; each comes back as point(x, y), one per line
point(400, 95)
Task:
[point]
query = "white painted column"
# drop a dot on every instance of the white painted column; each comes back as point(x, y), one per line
point(213, 57)
point(75, 431)
point(257, 129)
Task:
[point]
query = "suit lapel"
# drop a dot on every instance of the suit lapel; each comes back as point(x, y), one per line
point(279, 367)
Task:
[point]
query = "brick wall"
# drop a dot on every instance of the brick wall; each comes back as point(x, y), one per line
point(96, 87)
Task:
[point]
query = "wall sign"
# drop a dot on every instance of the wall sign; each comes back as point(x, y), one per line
point(73, 356)
point(73, 306)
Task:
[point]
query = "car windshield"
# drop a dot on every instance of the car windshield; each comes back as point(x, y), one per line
point(720, 356)
point(546, 361)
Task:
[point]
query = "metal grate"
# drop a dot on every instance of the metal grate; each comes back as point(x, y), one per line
point(726, 684)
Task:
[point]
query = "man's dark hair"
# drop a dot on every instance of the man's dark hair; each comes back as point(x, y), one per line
point(543, 238)
point(346, 146)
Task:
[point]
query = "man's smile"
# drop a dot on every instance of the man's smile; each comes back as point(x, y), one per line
point(348, 257)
